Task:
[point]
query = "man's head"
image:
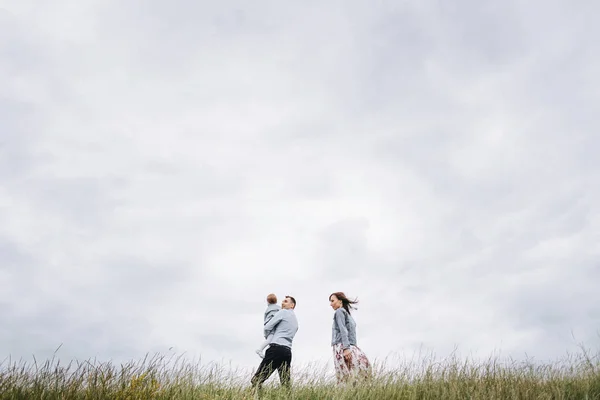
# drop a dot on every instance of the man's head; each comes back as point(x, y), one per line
point(289, 303)
point(272, 299)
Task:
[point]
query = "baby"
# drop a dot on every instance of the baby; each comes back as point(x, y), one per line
point(272, 308)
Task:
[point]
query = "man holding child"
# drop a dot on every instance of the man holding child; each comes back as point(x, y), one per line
point(279, 330)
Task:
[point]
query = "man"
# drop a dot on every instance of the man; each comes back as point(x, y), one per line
point(278, 356)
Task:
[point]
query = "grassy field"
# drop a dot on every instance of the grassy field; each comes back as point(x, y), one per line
point(574, 377)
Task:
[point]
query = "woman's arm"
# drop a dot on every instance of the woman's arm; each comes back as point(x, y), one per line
point(340, 320)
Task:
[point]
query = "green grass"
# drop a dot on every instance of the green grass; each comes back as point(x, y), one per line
point(574, 377)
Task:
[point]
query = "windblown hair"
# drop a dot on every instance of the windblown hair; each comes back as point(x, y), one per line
point(346, 302)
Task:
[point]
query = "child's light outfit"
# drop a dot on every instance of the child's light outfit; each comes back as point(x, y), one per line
point(270, 312)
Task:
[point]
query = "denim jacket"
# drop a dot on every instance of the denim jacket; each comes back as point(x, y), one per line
point(344, 329)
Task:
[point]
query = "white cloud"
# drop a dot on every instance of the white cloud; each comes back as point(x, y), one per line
point(164, 167)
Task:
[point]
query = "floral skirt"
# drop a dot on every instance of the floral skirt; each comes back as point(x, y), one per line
point(357, 367)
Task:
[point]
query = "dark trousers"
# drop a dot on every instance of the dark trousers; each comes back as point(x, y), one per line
point(278, 358)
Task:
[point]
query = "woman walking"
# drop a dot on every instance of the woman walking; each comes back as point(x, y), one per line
point(349, 360)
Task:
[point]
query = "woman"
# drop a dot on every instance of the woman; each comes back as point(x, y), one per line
point(348, 359)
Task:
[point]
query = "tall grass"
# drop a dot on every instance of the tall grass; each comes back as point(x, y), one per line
point(575, 377)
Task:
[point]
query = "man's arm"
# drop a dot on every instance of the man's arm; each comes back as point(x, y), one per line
point(270, 326)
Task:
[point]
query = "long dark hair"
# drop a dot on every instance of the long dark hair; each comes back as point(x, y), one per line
point(346, 302)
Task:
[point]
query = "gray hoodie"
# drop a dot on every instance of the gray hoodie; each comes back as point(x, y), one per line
point(282, 328)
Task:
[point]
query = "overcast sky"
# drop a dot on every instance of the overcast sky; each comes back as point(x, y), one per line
point(166, 165)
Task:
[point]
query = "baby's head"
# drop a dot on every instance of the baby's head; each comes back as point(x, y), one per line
point(272, 299)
